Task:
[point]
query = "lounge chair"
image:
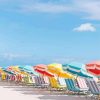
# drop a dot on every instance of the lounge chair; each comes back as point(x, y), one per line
point(94, 88)
point(55, 84)
point(62, 82)
point(27, 80)
point(71, 86)
point(40, 83)
point(3, 76)
point(33, 80)
point(82, 84)
point(47, 81)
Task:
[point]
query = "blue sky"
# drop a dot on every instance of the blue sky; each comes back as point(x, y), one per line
point(47, 31)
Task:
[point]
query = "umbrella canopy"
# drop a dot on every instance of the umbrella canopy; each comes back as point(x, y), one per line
point(94, 67)
point(7, 71)
point(57, 70)
point(77, 69)
point(14, 69)
point(28, 69)
point(42, 69)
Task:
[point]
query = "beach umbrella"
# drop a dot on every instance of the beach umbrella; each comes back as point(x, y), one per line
point(77, 69)
point(7, 71)
point(14, 69)
point(94, 68)
point(58, 71)
point(42, 69)
point(28, 69)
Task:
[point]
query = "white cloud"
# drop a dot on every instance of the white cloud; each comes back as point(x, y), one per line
point(45, 7)
point(89, 9)
point(85, 27)
point(86, 8)
point(31, 6)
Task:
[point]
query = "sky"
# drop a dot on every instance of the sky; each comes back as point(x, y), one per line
point(49, 31)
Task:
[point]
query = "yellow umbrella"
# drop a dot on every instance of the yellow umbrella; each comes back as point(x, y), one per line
point(57, 70)
point(14, 69)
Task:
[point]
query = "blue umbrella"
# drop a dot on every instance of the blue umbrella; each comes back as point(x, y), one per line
point(28, 69)
point(77, 69)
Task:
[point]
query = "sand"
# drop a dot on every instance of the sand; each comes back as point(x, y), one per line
point(12, 92)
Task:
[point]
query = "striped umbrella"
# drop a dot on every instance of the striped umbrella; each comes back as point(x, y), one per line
point(42, 69)
point(5, 69)
point(77, 69)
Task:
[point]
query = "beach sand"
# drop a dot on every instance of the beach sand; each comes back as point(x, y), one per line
point(13, 92)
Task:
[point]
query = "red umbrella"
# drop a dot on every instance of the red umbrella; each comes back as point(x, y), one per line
point(42, 69)
point(94, 67)
point(41, 66)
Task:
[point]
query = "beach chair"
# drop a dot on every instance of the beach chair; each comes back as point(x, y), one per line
point(3, 76)
point(7, 77)
point(33, 80)
point(27, 81)
point(12, 78)
point(71, 86)
point(82, 84)
point(94, 88)
point(46, 79)
point(40, 82)
point(55, 84)
point(18, 78)
point(62, 82)
point(47, 82)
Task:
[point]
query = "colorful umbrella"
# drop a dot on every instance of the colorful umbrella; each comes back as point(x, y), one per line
point(16, 70)
point(77, 69)
point(7, 71)
point(58, 71)
point(94, 67)
point(42, 69)
point(28, 69)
